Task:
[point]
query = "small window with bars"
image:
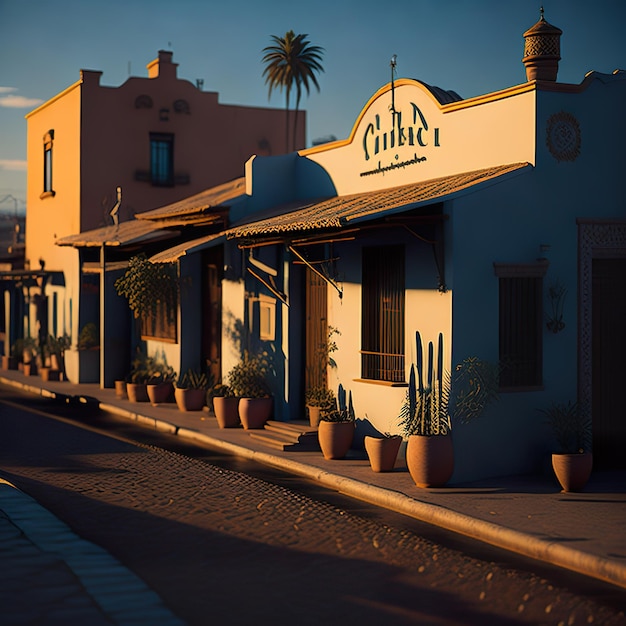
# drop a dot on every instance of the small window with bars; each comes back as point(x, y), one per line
point(382, 333)
point(520, 324)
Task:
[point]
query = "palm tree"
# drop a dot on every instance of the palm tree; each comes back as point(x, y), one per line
point(291, 60)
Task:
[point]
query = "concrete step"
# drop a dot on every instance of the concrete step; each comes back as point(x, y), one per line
point(287, 436)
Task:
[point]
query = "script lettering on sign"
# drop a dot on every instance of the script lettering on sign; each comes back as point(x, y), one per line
point(416, 134)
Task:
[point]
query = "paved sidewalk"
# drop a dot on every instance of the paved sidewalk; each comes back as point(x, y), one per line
point(583, 532)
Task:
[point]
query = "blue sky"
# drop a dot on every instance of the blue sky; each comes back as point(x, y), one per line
point(470, 46)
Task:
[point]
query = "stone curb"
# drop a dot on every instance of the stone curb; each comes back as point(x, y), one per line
point(120, 594)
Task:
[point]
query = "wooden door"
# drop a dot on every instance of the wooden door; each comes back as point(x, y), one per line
point(316, 330)
point(609, 362)
point(212, 311)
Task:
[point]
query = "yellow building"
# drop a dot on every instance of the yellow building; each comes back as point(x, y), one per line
point(97, 155)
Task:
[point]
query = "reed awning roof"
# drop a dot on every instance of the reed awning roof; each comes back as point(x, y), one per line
point(339, 211)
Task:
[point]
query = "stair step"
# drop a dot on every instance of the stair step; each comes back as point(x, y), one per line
point(284, 442)
point(291, 428)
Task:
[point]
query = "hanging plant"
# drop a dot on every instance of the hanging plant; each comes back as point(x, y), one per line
point(146, 285)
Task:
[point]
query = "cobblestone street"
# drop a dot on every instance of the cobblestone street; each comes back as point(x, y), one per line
point(222, 547)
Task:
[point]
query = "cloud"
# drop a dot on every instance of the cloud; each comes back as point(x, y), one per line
point(7, 89)
point(13, 165)
point(17, 102)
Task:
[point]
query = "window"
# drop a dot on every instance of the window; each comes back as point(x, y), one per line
point(520, 324)
point(160, 323)
point(162, 159)
point(382, 333)
point(48, 140)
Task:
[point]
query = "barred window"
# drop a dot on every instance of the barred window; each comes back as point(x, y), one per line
point(382, 334)
point(520, 324)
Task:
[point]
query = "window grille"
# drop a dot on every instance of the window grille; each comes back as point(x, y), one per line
point(382, 333)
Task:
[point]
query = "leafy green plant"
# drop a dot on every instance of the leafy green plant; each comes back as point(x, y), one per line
point(151, 370)
point(570, 425)
point(218, 391)
point(145, 284)
point(342, 409)
point(89, 337)
point(193, 379)
point(247, 379)
point(320, 397)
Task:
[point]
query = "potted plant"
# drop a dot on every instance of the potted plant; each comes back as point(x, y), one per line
point(88, 346)
point(571, 427)
point(433, 401)
point(225, 406)
point(336, 428)
point(57, 347)
point(30, 350)
point(382, 451)
point(191, 390)
point(137, 380)
point(318, 399)
point(160, 384)
point(247, 379)
point(10, 361)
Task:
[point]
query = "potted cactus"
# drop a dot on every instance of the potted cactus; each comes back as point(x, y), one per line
point(435, 400)
point(336, 428)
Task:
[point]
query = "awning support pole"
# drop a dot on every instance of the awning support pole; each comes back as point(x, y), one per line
point(316, 271)
point(280, 296)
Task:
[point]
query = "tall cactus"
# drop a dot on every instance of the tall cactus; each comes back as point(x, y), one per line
point(425, 410)
point(343, 411)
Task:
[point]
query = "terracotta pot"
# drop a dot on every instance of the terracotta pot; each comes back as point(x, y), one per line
point(30, 369)
point(254, 412)
point(430, 460)
point(572, 470)
point(382, 452)
point(160, 393)
point(190, 399)
point(335, 438)
point(137, 392)
point(314, 415)
point(48, 373)
point(55, 362)
point(9, 363)
point(226, 411)
point(120, 389)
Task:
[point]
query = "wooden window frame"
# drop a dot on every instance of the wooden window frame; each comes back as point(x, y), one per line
point(48, 144)
point(160, 325)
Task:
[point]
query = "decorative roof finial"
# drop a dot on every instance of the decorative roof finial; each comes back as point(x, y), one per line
point(542, 50)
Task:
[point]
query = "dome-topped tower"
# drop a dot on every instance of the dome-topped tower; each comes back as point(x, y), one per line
point(542, 50)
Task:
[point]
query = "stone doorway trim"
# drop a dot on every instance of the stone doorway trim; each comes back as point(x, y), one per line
point(597, 239)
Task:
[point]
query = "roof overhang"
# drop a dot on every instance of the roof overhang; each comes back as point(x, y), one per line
point(127, 233)
point(207, 207)
point(188, 247)
point(342, 212)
